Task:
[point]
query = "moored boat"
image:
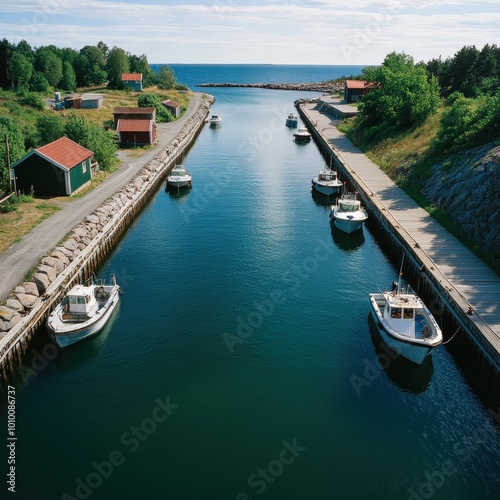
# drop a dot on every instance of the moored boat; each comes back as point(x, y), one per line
point(292, 120)
point(179, 178)
point(83, 312)
point(348, 215)
point(302, 135)
point(215, 120)
point(326, 182)
point(404, 322)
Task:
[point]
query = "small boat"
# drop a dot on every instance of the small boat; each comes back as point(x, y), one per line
point(326, 182)
point(215, 120)
point(302, 135)
point(83, 312)
point(348, 215)
point(404, 322)
point(292, 120)
point(179, 178)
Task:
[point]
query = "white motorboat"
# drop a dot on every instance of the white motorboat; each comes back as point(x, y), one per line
point(326, 182)
point(215, 120)
point(179, 177)
point(348, 215)
point(404, 322)
point(292, 120)
point(83, 312)
point(302, 135)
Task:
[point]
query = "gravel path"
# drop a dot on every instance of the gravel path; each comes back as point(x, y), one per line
point(17, 260)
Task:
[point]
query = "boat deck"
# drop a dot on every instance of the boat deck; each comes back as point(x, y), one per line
point(468, 281)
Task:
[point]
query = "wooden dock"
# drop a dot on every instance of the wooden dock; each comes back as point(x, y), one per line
point(467, 286)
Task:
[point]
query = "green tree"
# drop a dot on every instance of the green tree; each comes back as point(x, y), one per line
point(140, 64)
point(401, 94)
point(153, 101)
point(39, 83)
point(68, 81)
point(6, 51)
point(52, 68)
point(166, 78)
point(90, 68)
point(94, 138)
point(50, 128)
point(10, 128)
point(20, 69)
point(116, 64)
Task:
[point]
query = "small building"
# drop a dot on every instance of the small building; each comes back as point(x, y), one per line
point(136, 132)
point(129, 113)
point(354, 90)
point(59, 168)
point(92, 101)
point(173, 107)
point(132, 81)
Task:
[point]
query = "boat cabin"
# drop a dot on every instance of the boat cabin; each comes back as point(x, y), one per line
point(327, 176)
point(399, 313)
point(80, 300)
point(349, 204)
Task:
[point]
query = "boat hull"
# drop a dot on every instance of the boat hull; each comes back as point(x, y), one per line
point(292, 123)
point(347, 225)
point(413, 351)
point(325, 189)
point(66, 336)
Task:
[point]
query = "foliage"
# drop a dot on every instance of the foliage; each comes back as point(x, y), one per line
point(94, 138)
point(139, 64)
point(9, 127)
point(166, 78)
point(401, 94)
point(39, 83)
point(51, 66)
point(90, 69)
point(68, 81)
point(50, 128)
point(20, 68)
point(117, 63)
point(153, 101)
point(469, 122)
point(33, 100)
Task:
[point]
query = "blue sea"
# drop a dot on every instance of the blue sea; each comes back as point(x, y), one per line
point(241, 363)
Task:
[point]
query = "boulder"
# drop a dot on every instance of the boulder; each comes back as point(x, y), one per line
point(15, 305)
point(65, 251)
point(50, 272)
point(15, 320)
point(56, 264)
point(61, 257)
point(31, 289)
point(70, 244)
point(19, 289)
point(41, 281)
point(6, 313)
point(4, 326)
point(92, 218)
point(27, 301)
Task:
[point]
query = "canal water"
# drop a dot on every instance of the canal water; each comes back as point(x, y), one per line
point(241, 363)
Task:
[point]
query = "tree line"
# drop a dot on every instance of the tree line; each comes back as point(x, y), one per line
point(43, 68)
point(403, 94)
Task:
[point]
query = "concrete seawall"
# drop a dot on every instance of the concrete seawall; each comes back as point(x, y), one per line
point(87, 245)
point(454, 313)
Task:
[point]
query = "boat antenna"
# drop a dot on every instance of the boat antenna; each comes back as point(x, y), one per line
point(400, 273)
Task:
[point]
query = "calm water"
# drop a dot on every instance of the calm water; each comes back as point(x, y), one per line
point(241, 363)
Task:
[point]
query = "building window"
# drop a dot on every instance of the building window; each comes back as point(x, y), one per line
point(84, 167)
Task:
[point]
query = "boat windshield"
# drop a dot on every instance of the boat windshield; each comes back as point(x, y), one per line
point(348, 207)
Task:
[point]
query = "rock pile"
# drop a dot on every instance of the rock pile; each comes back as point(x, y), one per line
point(327, 87)
point(467, 187)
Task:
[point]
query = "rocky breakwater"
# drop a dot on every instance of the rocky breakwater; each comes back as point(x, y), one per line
point(326, 87)
point(467, 187)
point(88, 242)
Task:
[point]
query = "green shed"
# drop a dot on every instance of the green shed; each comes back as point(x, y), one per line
point(57, 169)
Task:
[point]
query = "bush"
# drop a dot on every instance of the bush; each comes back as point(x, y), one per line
point(33, 100)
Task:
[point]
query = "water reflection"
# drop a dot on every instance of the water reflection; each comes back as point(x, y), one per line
point(347, 242)
point(323, 199)
point(408, 376)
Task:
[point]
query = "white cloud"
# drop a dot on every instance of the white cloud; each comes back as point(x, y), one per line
point(265, 31)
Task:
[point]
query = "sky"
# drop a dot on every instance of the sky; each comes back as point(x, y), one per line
point(337, 32)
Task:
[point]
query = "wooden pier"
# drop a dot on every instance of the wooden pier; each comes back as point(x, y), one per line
point(464, 290)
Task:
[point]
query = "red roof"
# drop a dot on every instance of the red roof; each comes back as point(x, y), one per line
point(133, 111)
point(66, 152)
point(174, 104)
point(355, 84)
point(134, 125)
point(131, 77)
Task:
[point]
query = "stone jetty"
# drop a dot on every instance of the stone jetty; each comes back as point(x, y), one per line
point(327, 87)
